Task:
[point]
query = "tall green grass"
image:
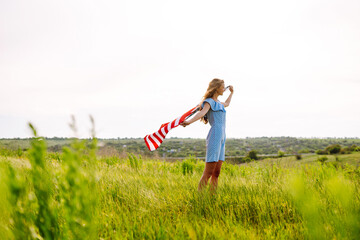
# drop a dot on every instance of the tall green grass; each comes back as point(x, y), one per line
point(80, 196)
point(53, 198)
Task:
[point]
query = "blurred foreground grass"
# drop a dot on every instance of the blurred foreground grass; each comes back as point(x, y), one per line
point(77, 195)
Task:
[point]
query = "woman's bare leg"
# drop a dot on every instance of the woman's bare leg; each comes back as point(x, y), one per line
point(208, 171)
point(215, 176)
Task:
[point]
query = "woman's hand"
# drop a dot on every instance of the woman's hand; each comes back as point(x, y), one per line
point(231, 89)
point(184, 123)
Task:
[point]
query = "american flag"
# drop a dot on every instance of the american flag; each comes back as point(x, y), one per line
point(154, 140)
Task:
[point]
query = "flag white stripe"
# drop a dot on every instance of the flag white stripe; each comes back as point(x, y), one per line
point(177, 122)
point(163, 131)
point(161, 138)
point(152, 147)
point(169, 126)
point(154, 138)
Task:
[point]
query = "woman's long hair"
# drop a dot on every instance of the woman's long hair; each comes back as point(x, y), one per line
point(212, 88)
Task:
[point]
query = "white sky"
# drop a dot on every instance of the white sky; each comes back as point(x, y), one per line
point(133, 65)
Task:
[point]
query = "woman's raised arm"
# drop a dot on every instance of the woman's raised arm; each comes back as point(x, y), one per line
point(228, 100)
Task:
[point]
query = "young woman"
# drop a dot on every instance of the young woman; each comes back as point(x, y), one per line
point(213, 111)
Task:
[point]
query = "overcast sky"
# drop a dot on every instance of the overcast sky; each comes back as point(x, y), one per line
point(133, 65)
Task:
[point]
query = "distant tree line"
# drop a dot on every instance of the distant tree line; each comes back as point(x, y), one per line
point(183, 147)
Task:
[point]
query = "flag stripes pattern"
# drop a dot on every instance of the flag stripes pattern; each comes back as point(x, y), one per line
point(154, 140)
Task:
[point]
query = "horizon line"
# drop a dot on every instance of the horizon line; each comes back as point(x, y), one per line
point(120, 138)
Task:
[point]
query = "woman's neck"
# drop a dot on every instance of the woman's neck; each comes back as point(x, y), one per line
point(215, 96)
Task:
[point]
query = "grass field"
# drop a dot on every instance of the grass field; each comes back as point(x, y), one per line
point(79, 196)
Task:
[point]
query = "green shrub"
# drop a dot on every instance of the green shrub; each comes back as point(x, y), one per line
point(321, 152)
point(281, 154)
point(322, 159)
point(252, 155)
point(333, 149)
point(345, 150)
point(298, 156)
point(353, 148)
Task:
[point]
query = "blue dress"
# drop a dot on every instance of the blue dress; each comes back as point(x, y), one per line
point(215, 140)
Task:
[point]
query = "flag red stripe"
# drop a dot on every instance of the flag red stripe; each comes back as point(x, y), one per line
point(160, 141)
point(166, 129)
point(161, 134)
point(153, 142)
point(147, 144)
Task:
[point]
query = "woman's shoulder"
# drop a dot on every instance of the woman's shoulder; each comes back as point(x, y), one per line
point(209, 100)
point(214, 105)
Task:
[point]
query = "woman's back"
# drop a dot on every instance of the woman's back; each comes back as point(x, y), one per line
point(216, 114)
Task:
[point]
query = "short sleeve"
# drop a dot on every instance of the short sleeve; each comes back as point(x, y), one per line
point(215, 106)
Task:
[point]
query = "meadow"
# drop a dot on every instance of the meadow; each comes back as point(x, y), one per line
point(79, 195)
